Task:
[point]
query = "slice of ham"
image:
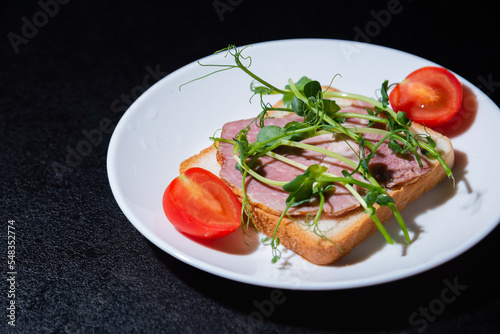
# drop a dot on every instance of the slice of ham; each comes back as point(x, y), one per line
point(389, 169)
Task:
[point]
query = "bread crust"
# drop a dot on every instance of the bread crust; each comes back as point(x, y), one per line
point(343, 233)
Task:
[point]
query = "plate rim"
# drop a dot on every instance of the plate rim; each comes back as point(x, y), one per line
point(238, 277)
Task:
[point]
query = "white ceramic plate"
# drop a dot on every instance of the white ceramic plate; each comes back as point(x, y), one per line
point(166, 125)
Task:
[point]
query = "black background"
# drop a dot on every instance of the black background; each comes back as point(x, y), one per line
point(83, 268)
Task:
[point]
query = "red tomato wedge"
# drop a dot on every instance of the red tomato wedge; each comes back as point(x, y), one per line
point(430, 96)
point(200, 204)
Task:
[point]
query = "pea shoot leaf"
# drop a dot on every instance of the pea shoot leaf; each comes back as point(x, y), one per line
point(402, 119)
point(288, 99)
point(292, 127)
point(288, 132)
point(312, 89)
point(330, 107)
point(385, 97)
point(395, 147)
point(377, 196)
point(298, 106)
point(243, 146)
point(301, 83)
point(242, 140)
point(269, 132)
point(304, 186)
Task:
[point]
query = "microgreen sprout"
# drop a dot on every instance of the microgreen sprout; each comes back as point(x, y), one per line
point(321, 115)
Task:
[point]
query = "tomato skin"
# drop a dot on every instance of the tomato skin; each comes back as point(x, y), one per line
point(200, 204)
point(430, 96)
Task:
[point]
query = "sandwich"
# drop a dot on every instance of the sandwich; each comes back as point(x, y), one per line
point(321, 170)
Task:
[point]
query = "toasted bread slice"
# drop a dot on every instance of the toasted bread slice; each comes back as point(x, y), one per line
point(346, 232)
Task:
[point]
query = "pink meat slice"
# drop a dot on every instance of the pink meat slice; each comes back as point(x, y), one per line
point(390, 169)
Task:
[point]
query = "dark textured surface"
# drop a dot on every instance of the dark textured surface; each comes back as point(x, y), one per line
point(83, 268)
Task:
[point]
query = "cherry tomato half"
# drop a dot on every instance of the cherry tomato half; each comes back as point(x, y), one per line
point(200, 204)
point(430, 96)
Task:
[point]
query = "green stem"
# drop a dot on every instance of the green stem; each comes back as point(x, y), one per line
point(329, 177)
point(257, 147)
point(265, 83)
point(438, 156)
point(257, 175)
point(352, 96)
point(326, 118)
point(319, 150)
point(362, 116)
point(350, 188)
point(400, 220)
